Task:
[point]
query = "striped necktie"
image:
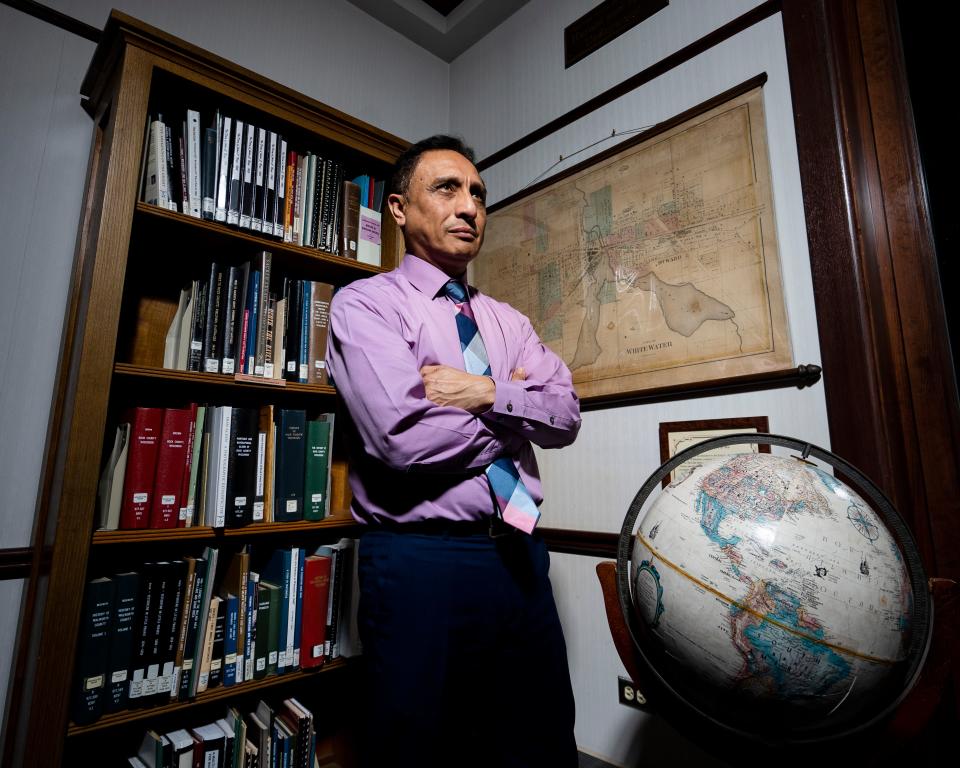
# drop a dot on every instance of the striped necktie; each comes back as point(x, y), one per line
point(513, 500)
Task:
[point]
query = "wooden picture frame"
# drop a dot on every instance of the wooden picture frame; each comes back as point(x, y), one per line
point(676, 436)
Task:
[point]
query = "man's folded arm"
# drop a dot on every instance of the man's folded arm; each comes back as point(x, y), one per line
point(542, 407)
point(377, 376)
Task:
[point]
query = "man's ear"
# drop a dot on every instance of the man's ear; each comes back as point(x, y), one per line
point(396, 202)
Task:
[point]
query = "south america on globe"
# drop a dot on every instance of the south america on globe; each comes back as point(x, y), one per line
point(774, 590)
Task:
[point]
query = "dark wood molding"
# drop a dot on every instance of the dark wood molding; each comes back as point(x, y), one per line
point(890, 391)
point(57, 19)
point(575, 542)
point(17, 562)
point(728, 30)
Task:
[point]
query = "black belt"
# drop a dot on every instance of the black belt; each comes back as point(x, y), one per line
point(494, 527)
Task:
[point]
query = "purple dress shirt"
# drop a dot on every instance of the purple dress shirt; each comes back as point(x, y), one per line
point(411, 459)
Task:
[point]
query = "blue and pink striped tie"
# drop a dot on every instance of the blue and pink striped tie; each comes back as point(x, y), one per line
point(514, 502)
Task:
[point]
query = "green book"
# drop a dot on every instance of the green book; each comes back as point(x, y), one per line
point(268, 630)
point(316, 496)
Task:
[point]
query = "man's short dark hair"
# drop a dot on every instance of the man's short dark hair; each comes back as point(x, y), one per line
point(407, 162)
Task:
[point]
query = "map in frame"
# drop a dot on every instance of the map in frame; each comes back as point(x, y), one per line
point(655, 266)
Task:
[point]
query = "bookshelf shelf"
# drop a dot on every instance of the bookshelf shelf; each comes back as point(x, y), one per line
point(217, 694)
point(134, 373)
point(341, 522)
point(153, 221)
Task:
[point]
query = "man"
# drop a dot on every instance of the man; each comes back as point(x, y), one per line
point(465, 657)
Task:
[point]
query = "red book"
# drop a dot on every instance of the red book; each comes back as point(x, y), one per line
point(145, 426)
point(316, 590)
point(168, 480)
point(187, 466)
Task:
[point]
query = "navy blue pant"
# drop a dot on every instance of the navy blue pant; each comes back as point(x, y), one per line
point(465, 662)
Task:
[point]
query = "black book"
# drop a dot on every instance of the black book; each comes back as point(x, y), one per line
point(266, 261)
point(316, 225)
point(208, 177)
point(232, 307)
point(215, 677)
point(143, 625)
point(238, 337)
point(336, 215)
point(279, 209)
point(212, 330)
point(291, 365)
point(198, 318)
point(289, 466)
point(175, 577)
point(190, 662)
point(242, 468)
point(90, 688)
point(121, 641)
point(173, 183)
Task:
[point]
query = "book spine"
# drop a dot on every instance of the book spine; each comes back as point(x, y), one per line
point(270, 174)
point(246, 190)
point(194, 164)
point(266, 260)
point(141, 466)
point(236, 169)
point(223, 169)
point(121, 640)
point(171, 458)
point(349, 219)
point(290, 183)
point(90, 688)
point(256, 220)
point(229, 325)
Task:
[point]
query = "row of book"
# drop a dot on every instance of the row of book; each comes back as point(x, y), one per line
point(246, 176)
point(218, 466)
point(242, 320)
point(174, 629)
point(283, 736)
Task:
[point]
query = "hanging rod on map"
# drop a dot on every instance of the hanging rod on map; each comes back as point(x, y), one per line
point(804, 375)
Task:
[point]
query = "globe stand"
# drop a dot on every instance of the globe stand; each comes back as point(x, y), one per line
point(661, 693)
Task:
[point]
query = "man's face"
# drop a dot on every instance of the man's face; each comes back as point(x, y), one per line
point(443, 212)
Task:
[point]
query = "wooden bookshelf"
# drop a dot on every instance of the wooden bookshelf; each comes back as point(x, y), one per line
point(131, 261)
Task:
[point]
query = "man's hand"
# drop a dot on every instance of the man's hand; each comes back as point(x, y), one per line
point(450, 386)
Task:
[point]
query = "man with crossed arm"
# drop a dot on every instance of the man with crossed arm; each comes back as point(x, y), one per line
point(465, 661)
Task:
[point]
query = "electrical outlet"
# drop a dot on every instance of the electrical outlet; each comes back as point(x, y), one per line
point(630, 694)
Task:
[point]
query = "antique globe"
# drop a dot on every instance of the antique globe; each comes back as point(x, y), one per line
point(770, 599)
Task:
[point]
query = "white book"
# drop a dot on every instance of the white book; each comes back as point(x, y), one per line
point(233, 190)
point(279, 227)
point(156, 161)
point(186, 329)
point(223, 465)
point(256, 220)
point(171, 343)
point(270, 182)
point(220, 212)
point(368, 243)
point(194, 168)
point(291, 652)
point(110, 491)
point(182, 743)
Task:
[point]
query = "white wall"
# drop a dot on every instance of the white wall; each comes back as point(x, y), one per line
point(512, 82)
point(327, 49)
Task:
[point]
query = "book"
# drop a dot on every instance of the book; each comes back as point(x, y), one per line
point(231, 661)
point(208, 177)
point(265, 650)
point(196, 459)
point(316, 497)
point(289, 465)
point(181, 744)
point(168, 628)
point(259, 190)
point(246, 187)
point(196, 598)
point(269, 182)
point(235, 583)
point(206, 652)
point(281, 569)
point(321, 294)
point(232, 307)
point(235, 175)
point(186, 510)
point(189, 584)
point(90, 688)
point(194, 163)
point(211, 327)
point(368, 244)
point(110, 489)
point(349, 219)
point(223, 168)
point(216, 658)
point(170, 466)
point(212, 745)
point(171, 344)
point(210, 555)
point(145, 425)
point(316, 595)
point(122, 638)
point(198, 319)
point(143, 622)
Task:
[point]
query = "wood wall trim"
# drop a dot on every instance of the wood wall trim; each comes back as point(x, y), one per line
point(881, 324)
point(576, 542)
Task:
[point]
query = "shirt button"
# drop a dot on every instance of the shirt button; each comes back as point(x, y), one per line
point(510, 407)
point(551, 419)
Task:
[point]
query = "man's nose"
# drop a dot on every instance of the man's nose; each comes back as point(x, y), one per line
point(466, 204)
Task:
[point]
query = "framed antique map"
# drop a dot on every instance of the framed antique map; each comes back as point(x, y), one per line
point(676, 436)
point(656, 264)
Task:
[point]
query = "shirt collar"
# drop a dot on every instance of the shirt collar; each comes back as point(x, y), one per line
point(425, 277)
